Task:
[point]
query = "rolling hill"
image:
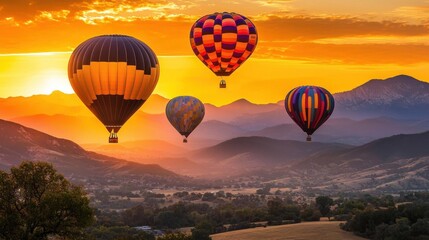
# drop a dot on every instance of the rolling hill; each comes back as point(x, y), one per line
point(244, 154)
point(348, 131)
point(302, 231)
point(399, 162)
point(19, 143)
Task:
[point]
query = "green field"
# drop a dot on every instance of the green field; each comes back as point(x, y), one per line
point(302, 231)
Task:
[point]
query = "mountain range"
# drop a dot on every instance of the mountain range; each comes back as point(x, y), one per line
point(402, 97)
point(378, 108)
point(19, 143)
point(353, 147)
point(389, 164)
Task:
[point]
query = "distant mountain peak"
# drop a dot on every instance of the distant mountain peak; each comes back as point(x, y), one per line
point(399, 82)
point(401, 96)
point(58, 92)
point(402, 77)
point(240, 101)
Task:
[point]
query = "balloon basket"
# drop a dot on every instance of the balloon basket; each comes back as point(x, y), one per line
point(113, 138)
point(222, 84)
point(308, 138)
point(185, 140)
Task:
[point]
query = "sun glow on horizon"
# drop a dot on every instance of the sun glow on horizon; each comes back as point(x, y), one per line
point(259, 80)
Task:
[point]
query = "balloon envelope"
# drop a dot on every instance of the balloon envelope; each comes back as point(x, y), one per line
point(113, 75)
point(309, 107)
point(223, 41)
point(185, 113)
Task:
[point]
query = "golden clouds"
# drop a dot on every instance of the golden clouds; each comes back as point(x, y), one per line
point(280, 27)
point(341, 40)
point(285, 33)
point(355, 54)
point(413, 13)
point(29, 10)
point(129, 11)
point(90, 12)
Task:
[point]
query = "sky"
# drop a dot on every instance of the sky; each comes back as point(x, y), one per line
point(337, 44)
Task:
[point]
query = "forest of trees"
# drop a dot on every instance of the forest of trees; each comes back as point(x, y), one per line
point(407, 221)
point(36, 202)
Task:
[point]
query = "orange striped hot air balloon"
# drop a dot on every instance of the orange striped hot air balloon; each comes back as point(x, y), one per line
point(113, 75)
point(223, 41)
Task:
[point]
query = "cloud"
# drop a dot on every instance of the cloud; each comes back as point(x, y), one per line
point(341, 39)
point(26, 10)
point(282, 34)
point(274, 3)
point(90, 11)
point(304, 28)
point(360, 54)
point(414, 13)
point(129, 11)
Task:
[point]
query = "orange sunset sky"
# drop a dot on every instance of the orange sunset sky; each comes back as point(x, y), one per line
point(337, 44)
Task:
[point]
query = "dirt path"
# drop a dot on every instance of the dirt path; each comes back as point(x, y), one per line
point(302, 231)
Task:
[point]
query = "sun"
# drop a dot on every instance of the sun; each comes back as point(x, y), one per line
point(33, 73)
point(55, 80)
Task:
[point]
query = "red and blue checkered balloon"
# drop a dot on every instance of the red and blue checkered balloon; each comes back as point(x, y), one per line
point(223, 41)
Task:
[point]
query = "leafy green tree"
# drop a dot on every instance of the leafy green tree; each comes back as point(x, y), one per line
point(275, 209)
point(381, 231)
point(138, 216)
point(421, 227)
point(167, 219)
point(37, 202)
point(310, 214)
point(324, 204)
point(202, 231)
point(400, 230)
point(209, 197)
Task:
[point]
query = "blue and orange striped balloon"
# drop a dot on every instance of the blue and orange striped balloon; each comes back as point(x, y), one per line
point(185, 113)
point(309, 107)
point(223, 41)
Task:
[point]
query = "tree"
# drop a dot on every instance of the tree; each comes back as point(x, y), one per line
point(202, 231)
point(400, 230)
point(275, 209)
point(421, 227)
point(36, 202)
point(138, 216)
point(175, 236)
point(323, 204)
point(310, 214)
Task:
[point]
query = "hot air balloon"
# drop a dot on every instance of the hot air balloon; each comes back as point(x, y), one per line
point(223, 41)
point(185, 113)
point(113, 75)
point(309, 107)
